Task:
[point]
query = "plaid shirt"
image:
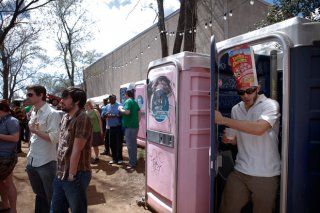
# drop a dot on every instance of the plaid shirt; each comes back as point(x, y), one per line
point(79, 126)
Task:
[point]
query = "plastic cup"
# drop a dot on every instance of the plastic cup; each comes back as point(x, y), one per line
point(230, 133)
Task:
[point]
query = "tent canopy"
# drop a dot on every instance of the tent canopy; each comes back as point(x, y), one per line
point(98, 99)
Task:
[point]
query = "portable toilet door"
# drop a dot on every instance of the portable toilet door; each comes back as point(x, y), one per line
point(140, 97)
point(123, 89)
point(287, 57)
point(177, 175)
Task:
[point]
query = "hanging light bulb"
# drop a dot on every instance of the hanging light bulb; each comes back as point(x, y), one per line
point(251, 2)
point(230, 13)
point(225, 16)
point(148, 46)
point(190, 31)
point(156, 38)
point(210, 24)
point(141, 53)
point(206, 26)
point(195, 30)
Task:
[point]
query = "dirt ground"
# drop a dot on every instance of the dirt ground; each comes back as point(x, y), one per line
point(112, 188)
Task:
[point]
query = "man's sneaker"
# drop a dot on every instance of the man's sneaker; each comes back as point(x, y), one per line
point(120, 162)
point(112, 162)
point(129, 168)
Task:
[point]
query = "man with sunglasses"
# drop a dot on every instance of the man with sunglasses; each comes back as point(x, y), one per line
point(42, 157)
point(257, 166)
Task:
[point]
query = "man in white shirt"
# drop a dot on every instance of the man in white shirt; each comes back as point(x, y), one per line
point(42, 157)
point(256, 173)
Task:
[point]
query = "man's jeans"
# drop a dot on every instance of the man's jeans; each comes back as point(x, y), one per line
point(41, 179)
point(131, 141)
point(71, 194)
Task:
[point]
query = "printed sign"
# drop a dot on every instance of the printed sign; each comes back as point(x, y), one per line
point(242, 63)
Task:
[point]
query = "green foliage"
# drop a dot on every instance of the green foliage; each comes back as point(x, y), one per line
point(285, 9)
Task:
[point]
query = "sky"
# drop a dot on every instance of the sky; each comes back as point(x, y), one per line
point(117, 21)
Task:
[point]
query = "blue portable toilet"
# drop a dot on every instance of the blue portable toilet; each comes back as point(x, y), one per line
point(287, 57)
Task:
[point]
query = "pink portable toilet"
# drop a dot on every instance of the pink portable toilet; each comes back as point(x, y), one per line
point(178, 133)
point(140, 97)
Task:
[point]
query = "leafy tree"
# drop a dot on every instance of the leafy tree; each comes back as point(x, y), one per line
point(285, 9)
point(17, 56)
point(72, 30)
point(17, 44)
point(55, 82)
point(12, 13)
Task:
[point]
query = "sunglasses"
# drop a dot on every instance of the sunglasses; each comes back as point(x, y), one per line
point(30, 94)
point(249, 91)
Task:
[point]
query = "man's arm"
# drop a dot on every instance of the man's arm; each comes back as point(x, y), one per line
point(78, 146)
point(258, 127)
point(11, 138)
point(123, 111)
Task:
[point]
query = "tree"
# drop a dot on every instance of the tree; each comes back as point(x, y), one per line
point(55, 82)
point(17, 56)
point(185, 30)
point(13, 14)
point(12, 11)
point(285, 9)
point(72, 33)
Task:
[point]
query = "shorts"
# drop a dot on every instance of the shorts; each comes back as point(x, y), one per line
point(7, 165)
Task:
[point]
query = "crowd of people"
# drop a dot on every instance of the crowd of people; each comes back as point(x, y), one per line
point(63, 142)
point(60, 146)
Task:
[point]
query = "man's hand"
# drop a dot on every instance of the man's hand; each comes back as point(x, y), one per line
point(218, 118)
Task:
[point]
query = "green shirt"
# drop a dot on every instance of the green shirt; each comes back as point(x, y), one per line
point(94, 120)
point(131, 120)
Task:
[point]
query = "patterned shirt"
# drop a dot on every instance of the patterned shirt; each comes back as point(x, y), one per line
point(78, 126)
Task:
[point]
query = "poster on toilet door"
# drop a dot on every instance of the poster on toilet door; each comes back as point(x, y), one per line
point(243, 66)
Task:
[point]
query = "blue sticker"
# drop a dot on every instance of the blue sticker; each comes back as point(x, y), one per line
point(140, 101)
point(160, 105)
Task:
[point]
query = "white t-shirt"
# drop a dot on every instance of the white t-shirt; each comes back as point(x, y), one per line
point(258, 155)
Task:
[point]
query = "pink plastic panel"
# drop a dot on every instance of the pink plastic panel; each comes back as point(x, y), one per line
point(140, 97)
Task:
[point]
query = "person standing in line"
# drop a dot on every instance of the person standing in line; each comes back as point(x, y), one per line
point(26, 133)
point(105, 129)
point(18, 113)
point(113, 120)
point(42, 156)
point(74, 154)
point(97, 140)
point(9, 136)
point(131, 118)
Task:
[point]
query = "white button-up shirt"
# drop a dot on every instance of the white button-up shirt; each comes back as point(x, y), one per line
point(41, 151)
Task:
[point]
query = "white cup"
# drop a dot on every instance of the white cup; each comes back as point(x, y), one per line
point(230, 133)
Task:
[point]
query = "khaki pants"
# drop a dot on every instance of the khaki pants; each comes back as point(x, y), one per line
point(241, 188)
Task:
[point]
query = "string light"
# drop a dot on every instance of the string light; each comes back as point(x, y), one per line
point(225, 16)
point(173, 33)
